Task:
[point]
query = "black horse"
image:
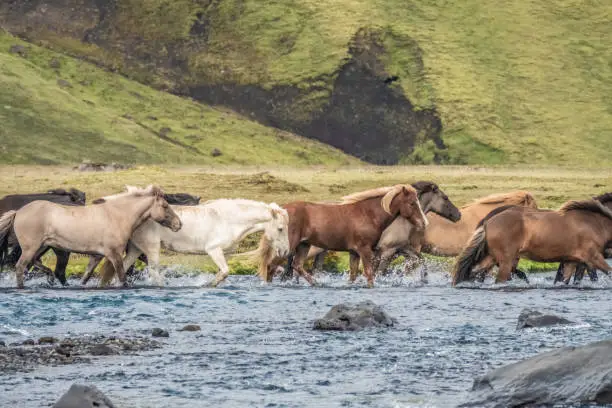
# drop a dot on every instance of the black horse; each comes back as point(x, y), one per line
point(70, 197)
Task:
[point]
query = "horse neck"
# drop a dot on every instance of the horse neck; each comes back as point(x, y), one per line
point(247, 218)
point(378, 216)
point(132, 210)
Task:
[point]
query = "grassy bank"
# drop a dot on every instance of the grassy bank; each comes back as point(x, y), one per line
point(550, 186)
point(60, 110)
point(513, 82)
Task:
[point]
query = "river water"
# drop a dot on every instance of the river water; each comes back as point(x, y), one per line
point(257, 347)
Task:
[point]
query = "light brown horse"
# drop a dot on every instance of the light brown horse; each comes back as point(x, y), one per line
point(354, 227)
point(567, 269)
point(400, 236)
point(447, 238)
point(577, 232)
point(102, 229)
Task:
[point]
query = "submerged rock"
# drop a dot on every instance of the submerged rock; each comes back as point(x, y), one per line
point(83, 396)
point(47, 340)
point(191, 328)
point(354, 316)
point(534, 318)
point(157, 332)
point(101, 350)
point(569, 375)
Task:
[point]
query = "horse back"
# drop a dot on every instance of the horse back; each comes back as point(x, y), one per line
point(17, 201)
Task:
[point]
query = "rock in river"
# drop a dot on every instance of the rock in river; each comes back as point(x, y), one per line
point(566, 376)
point(83, 396)
point(533, 318)
point(349, 316)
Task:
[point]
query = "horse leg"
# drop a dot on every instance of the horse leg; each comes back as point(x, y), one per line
point(317, 265)
point(521, 274)
point(94, 260)
point(27, 255)
point(288, 272)
point(114, 257)
point(592, 274)
point(219, 259)
point(382, 259)
point(579, 273)
point(301, 253)
point(366, 255)
point(599, 262)
point(569, 269)
point(353, 266)
point(61, 264)
point(505, 269)
point(559, 275)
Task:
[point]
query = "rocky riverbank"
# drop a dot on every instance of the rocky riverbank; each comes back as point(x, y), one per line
point(29, 354)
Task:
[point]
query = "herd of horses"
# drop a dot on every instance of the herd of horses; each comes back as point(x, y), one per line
point(373, 226)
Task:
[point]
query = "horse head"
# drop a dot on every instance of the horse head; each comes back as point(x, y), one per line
point(277, 230)
point(403, 200)
point(433, 199)
point(161, 212)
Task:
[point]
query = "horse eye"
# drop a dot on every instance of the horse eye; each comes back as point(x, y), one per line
point(280, 229)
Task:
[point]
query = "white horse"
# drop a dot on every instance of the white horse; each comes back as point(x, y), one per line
point(212, 228)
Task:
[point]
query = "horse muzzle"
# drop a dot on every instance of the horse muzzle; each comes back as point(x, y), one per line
point(176, 225)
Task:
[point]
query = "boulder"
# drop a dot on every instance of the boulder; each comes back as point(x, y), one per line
point(83, 396)
point(47, 340)
point(533, 318)
point(566, 376)
point(357, 316)
point(101, 350)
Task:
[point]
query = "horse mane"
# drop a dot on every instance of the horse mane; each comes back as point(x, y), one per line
point(586, 205)
point(425, 186)
point(150, 190)
point(387, 194)
point(519, 197)
point(603, 198)
point(365, 195)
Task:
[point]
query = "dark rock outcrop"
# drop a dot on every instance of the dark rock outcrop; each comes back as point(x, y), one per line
point(157, 332)
point(83, 396)
point(570, 375)
point(532, 318)
point(191, 328)
point(350, 317)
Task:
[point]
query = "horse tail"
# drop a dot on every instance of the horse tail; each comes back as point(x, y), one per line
point(473, 253)
point(6, 226)
point(263, 256)
point(106, 273)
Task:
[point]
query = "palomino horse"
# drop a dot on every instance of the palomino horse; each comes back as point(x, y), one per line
point(447, 238)
point(577, 232)
point(58, 196)
point(94, 260)
point(400, 236)
point(211, 228)
point(95, 229)
point(566, 270)
point(354, 227)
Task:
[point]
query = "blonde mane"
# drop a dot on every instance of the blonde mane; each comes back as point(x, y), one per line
point(150, 190)
point(387, 194)
point(519, 197)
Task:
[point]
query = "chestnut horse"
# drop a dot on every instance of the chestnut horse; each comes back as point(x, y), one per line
point(447, 238)
point(400, 237)
point(354, 227)
point(578, 232)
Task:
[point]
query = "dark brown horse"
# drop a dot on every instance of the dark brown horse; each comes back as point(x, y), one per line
point(354, 227)
point(578, 232)
point(566, 270)
point(396, 239)
point(58, 196)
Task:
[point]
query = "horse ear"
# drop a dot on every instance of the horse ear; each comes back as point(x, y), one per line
point(405, 190)
point(98, 201)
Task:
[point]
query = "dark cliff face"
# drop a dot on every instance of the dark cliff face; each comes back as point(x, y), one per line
point(360, 108)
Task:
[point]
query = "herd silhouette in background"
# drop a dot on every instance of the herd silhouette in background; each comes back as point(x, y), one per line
point(374, 226)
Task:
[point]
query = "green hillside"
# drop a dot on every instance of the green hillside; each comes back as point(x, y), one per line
point(447, 81)
point(56, 109)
